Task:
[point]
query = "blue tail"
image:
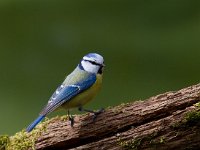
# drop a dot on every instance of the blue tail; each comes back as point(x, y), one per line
point(34, 123)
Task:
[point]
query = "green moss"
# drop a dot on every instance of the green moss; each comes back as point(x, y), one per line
point(23, 140)
point(64, 117)
point(162, 140)
point(4, 141)
point(190, 119)
point(135, 144)
point(197, 105)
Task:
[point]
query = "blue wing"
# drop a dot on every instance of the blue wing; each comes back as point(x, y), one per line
point(66, 92)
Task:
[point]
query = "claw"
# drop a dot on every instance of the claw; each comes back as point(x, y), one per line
point(71, 119)
point(97, 113)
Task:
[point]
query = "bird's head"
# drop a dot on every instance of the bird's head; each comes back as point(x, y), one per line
point(93, 63)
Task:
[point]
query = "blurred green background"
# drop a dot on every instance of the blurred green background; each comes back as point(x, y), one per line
point(149, 47)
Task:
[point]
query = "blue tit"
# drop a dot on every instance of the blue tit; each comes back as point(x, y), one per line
point(77, 89)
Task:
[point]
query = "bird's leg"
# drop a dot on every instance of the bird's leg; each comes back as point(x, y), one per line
point(96, 113)
point(71, 118)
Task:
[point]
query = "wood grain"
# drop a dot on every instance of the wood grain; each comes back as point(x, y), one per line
point(148, 124)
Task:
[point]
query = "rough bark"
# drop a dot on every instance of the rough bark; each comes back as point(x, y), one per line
point(165, 121)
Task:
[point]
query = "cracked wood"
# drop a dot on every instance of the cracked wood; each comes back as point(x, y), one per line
point(128, 122)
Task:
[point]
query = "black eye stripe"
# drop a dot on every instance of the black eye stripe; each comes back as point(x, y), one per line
point(94, 63)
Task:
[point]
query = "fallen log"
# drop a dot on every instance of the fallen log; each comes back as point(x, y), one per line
point(166, 121)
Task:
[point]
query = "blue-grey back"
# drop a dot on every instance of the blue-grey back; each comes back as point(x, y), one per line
point(76, 76)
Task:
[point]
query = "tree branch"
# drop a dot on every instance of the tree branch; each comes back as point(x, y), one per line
point(166, 121)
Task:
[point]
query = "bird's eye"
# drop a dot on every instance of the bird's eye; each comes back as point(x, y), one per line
point(93, 62)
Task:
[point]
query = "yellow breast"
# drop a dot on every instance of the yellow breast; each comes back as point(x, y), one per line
point(86, 96)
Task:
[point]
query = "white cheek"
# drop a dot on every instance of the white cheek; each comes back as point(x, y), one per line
point(89, 67)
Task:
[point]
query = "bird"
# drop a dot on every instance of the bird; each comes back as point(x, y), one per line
point(78, 88)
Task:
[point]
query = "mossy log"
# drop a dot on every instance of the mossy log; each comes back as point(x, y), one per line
point(166, 121)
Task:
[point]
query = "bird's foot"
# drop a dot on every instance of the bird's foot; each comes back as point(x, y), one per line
point(96, 113)
point(71, 119)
